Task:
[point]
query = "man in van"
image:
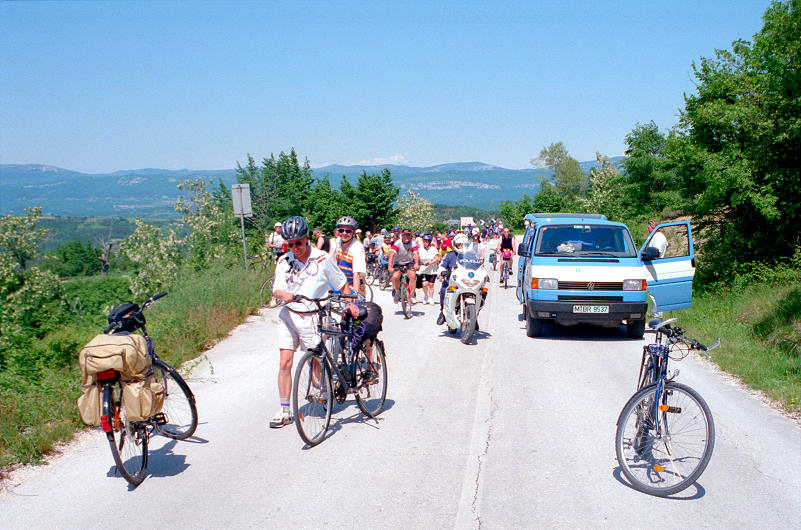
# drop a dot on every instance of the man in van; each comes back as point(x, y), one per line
point(659, 241)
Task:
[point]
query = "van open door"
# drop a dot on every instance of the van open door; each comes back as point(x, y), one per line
point(669, 263)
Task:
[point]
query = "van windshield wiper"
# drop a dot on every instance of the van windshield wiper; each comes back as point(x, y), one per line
point(597, 253)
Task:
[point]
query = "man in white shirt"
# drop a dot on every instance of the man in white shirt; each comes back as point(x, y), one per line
point(308, 271)
point(658, 241)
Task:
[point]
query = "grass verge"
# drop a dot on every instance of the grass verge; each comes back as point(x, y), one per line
point(37, 396)
point(760, 331)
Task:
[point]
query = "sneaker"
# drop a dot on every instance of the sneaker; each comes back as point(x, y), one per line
point(441, 318)
point(280, 419)
point(396, 296)
point(425, 300)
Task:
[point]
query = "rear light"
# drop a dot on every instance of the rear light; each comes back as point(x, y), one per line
point(104, 421)
point(106, 375)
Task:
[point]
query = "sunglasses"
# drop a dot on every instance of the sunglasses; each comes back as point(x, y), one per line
point(298, 243)
point(345, 230)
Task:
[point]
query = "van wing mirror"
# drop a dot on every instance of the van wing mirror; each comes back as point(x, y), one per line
point(650, 253)
point(521, 250)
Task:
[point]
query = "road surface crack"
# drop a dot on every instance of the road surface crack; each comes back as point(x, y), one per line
point(489, 422)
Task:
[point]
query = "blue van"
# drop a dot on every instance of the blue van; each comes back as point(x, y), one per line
point(582, 268)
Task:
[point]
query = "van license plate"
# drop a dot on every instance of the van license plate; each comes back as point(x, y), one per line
point(591, 309)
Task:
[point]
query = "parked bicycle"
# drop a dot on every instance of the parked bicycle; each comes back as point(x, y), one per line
point(178, 417)
point(665, 432)
point(339, 366)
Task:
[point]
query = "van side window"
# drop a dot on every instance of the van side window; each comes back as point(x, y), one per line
point(675, 241)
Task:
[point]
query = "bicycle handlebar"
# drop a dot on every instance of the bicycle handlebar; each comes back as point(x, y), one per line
point(676, 334)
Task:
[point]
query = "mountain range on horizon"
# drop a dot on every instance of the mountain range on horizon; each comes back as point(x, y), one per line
point(151, 192)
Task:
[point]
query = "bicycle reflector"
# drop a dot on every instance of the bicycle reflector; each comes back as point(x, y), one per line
point(658, 468)
point(104, 421)
point(106, 375)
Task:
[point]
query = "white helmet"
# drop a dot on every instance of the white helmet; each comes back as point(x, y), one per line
point(460, 240)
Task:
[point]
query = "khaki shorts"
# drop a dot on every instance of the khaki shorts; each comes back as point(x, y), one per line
point(297, 330)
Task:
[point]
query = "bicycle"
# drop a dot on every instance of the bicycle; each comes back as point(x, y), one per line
point(665, 432)
point(506, 258)
point(260, 261)
point(334, 369)
point(178, 417)
point(383, 277)
point(373, 268)
point(405, 292)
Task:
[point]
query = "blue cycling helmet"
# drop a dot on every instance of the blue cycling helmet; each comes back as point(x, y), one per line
point(294, 228)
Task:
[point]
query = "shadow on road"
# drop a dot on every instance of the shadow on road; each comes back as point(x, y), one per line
point(617, 473)
point(555, 331)
point(356, 416)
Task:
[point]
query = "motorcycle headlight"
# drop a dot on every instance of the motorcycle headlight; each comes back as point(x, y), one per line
point(470, 283)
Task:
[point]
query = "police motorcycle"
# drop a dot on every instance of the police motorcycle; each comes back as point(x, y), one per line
point(466, 292)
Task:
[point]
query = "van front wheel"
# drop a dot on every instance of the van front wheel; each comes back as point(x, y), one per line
point(533, 326)
point(635, 328)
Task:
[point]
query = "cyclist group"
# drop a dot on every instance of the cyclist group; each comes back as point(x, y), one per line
point(311, 270)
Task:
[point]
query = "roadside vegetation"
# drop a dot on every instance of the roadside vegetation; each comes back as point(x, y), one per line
point(730, 165)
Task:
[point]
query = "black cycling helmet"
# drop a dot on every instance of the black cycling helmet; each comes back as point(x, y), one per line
point(347, 220)
point(294, 228)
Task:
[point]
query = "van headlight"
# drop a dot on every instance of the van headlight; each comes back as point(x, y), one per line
point(634, 285)
point(544, 283)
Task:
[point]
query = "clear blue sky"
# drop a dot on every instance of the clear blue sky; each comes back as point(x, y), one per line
point(102, 86)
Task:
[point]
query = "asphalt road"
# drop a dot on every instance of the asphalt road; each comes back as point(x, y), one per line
point(510, 432)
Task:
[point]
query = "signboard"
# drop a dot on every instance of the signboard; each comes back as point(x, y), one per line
point(240, 193)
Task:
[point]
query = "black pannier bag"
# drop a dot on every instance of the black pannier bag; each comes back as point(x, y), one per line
point(128, 317)
point(369, 323)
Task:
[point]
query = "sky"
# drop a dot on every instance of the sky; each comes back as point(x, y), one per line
point(102, 86)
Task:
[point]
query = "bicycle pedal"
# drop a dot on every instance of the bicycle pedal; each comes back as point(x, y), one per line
point(159, 419)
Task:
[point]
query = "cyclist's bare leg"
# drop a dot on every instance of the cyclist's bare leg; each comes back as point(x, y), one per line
point(285, 373)
point(412, 281)
point(396, 274)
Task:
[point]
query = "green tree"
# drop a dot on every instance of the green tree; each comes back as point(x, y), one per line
point(604, 196)
point(20, 237)
point(415, 212)
point(76, 259)
point(547, 200)
point(737, 147)
point(157, 258)
point(325, 205)
point(214, 229)
point(569, 180)
point(375, 198)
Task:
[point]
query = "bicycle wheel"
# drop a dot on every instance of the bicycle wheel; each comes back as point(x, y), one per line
point(179, 407)
point(368, 293)
point(371, 378)
point(383, 279)
point(664, 453)
point(266, 291)
point(312, 398)
point(406, 302)
point(128, 440)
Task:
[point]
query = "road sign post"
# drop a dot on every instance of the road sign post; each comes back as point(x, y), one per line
point(240, 194)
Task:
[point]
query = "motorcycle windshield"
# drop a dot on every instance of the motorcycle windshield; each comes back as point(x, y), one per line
point(469, 257)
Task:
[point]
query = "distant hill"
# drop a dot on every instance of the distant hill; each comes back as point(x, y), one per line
point(152, 192)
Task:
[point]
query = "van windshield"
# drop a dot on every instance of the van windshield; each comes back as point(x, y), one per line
point(585, 240)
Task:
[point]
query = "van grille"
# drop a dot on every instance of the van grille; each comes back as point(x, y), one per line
point(591, 286)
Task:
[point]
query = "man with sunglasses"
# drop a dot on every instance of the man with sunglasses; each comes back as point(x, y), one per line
point(308, 271)
point(348, 253)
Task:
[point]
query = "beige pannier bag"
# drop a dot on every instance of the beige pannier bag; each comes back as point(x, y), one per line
point(90, 402)
point(142, 398)
point(126, 354)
